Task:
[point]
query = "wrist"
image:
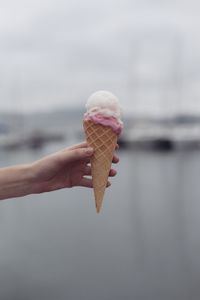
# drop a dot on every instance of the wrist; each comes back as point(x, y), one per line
point(35, 178)
point(28, 179)
point(25, 183)
point(32, 178)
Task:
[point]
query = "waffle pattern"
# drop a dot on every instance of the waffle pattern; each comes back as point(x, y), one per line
point(103, 139)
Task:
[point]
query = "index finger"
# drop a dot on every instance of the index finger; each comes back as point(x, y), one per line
point(80, 145)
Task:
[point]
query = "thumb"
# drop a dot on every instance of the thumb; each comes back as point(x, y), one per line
point(77, 154)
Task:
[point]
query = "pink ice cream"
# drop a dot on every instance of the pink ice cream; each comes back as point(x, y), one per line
point(103, 108)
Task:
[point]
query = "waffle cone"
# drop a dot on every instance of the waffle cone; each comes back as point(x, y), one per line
point(103, 140)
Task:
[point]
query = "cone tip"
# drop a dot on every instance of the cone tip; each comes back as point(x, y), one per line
point(98, 208)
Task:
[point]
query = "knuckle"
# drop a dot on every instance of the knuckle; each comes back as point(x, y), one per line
point(77, 152)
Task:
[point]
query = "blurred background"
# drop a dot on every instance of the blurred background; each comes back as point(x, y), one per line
point(145, 243)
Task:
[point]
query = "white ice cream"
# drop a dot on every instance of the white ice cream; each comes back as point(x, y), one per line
point(104, 103)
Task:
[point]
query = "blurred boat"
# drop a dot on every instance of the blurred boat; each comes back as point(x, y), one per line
point(31, 140)
point(161, 138)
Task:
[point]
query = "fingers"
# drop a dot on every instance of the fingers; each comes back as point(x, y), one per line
point(84, 145)
point(112, 173)
point(87, 171)
point(87, 182)
point(76, 146)
point(80, 145)
point(115, 159)
point(76, 154)
point(81, 152)
point(108, 184)
point(86, 160)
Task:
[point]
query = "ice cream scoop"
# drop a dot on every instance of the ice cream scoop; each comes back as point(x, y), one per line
point(103, 108)
point(102, 125)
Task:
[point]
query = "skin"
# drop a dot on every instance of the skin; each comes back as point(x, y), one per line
point(64, 169)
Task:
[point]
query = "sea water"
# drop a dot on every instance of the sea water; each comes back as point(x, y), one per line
point(144, 244)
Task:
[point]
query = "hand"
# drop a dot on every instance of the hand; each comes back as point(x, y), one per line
point(65, 169)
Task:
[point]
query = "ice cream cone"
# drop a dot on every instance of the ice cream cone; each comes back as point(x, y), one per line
point(103, 139)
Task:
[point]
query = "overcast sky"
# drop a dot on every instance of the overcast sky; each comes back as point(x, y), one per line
point(56, 53)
